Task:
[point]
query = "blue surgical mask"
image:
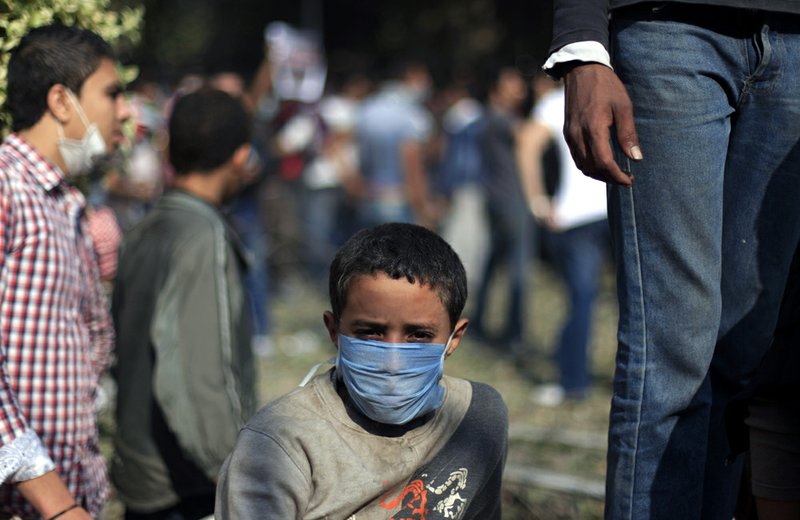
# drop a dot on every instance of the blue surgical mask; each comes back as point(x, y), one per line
point(392, 383)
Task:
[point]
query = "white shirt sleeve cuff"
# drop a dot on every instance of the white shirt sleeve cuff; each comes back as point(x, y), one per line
point(24, 458)
point(589, 52)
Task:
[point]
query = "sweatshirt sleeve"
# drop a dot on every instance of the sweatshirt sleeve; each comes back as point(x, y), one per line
point(260, 480)
point(579, 21)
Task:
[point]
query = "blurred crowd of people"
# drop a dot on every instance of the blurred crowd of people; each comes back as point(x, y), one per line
point(390, 145)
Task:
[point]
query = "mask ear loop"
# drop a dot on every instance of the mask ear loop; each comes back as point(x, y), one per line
point(447, 345)
point(314, 369)
point(59, 129)
point(78, 108)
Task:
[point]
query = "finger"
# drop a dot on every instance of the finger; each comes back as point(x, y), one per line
point(577, 145)
point(601, 164)
point(626, 131)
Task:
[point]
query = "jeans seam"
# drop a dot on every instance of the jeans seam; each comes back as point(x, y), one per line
point(644, 354)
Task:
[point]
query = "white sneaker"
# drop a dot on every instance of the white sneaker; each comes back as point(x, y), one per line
point(549, 395)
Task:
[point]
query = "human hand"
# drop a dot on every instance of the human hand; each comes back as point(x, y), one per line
point(542, 209)
point(596, 100)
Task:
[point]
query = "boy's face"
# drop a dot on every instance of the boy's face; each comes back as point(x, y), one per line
point(104, 104)
point(394, 311)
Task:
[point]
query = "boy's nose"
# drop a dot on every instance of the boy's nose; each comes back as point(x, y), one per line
point(123, 109)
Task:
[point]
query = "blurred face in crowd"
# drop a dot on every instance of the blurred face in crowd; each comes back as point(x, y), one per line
point(418, 79)
point(510, 91)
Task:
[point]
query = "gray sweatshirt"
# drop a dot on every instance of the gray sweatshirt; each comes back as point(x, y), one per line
point(308, 455)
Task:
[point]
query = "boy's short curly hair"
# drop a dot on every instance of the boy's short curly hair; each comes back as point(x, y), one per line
point(47, 56)
point(400, 251)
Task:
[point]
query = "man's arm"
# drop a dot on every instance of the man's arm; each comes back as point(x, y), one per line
point(96, 313)
point(596, 99)
point(531, 145)
point(49, 496)
point(417, 190)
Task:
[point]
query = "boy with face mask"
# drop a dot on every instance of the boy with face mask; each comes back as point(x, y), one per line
point(64, 97)
point(383, 434)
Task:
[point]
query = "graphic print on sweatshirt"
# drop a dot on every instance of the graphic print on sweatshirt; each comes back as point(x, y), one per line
point(429, 501)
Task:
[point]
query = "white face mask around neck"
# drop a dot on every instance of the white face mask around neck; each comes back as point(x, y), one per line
point(80, 155)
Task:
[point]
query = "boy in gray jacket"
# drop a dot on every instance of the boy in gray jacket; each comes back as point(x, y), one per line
point(185, 376)
point(383, 434)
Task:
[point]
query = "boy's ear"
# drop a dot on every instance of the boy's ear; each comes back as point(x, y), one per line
point(460, 329)
point(330, 324)
point(240, 156)
point(58, 103)
point(246, 169)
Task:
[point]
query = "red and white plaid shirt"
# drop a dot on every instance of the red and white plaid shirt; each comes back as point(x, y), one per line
point(55, 333)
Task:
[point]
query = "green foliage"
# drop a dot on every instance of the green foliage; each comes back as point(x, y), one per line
point(17, 17)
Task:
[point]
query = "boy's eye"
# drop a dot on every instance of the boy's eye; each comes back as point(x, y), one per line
point(421, 336)
point(365, 333)
point(115, 92)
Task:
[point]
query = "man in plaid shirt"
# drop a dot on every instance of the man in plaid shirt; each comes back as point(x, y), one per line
point(64, 96)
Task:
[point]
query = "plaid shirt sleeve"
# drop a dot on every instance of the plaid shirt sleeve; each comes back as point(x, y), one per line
point(24, 459)
point(96, 314)
point(22, 455)
point(106, 234)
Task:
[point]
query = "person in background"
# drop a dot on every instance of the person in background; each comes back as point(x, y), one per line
point(465, 225)
point(131, 188)
point(185, 374)
point(510, 224)
point(764, 420)
point(383, 434)
point(331, 179)
point(245, 210)
point(393, 129)
point(575, 234)
point(67, 108)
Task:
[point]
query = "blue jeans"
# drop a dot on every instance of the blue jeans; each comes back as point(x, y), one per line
point(375, 212)
point(578, 254)
point(511, 232)
point(245, 216)
point(703, 241)
point(321, 218)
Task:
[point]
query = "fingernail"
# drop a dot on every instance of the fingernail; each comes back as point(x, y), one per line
point(636, 153)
